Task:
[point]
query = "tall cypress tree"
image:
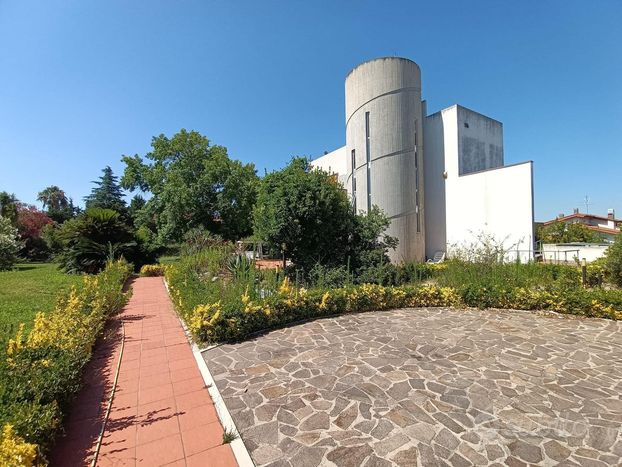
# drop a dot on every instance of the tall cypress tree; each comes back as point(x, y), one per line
point(107, 194)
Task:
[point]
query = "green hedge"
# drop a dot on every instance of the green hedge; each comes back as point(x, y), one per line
point(41, 374)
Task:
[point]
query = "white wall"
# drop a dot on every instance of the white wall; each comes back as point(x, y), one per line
point(496, 202)
point(561, 252)
point(437, 131)
point(333, 162)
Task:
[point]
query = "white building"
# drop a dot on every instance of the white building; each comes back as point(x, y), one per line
point(440, 178)
point(608, 227)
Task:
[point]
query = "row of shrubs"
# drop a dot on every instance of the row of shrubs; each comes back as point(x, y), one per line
point(214, 317)
point(41, 373)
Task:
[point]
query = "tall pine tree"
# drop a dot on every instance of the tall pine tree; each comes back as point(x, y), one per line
point(107, 194)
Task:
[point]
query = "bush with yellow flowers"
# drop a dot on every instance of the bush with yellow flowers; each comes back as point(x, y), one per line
point(217, 309)
point(152, 270)
point(41, 373)
point(14, 451)
point(227, 312)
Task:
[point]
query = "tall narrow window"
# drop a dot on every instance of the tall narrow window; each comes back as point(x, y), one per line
point(417, 209)
point(368, 155)
point(354, 178)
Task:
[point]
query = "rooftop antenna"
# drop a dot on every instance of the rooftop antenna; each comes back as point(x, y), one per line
point(587, 204)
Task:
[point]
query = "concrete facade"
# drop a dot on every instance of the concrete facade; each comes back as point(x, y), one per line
point(439, 178)
point(384, 130)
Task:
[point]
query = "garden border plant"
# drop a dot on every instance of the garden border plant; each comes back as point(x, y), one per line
point(41, 374)
point(218, 310)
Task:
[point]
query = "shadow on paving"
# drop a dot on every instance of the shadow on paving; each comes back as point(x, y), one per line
point(428, 387)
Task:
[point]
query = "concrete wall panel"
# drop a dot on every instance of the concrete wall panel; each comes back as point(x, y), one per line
point(388, 90)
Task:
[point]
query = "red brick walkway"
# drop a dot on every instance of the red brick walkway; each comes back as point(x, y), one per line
point(162, 414)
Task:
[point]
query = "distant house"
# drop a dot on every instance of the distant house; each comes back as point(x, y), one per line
point(608, 226)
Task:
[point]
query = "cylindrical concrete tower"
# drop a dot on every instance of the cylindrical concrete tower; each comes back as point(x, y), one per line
point(384, 144)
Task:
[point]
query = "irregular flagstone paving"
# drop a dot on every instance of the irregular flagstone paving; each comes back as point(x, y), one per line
point(428, 387)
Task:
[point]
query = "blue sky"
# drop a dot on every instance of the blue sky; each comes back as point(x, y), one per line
point(83, 82)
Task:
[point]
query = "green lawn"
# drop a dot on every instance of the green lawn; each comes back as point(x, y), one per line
point(27, 290)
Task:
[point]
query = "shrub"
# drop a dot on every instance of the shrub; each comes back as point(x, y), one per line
point(152, 270)
point(227, 312)
point(90, 239)
point(613, 262)
point(14, 451)
point(218, 310)
point(324, 277)
point(30, 223)
point(42, 372)
point(8, 244)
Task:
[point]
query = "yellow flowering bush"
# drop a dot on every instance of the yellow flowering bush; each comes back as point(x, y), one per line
point(41, 373)
point(14, 451)
point(152, 270)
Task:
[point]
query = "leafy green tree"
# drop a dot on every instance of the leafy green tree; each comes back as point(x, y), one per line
point(64, 212)
point(613, 261)
point(193, 185)
point(53, 197)
point(107, 194)
point(562, 232)
point(303, 208)
point(8, 206)
point(8, 243)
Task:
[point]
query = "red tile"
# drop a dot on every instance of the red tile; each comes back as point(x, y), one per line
point(193, 399)
point(221, 456)
point(155, 352)
point(120, 459)
point(183, 374)
point(154, 370)
point(127, 387)
point(179, 352)
point(202, 438)
point(128, 374)
point(190, 385)
point(156, 380)
point(146, 396)
point(130, 365)
point(183, 363)
point(125, 401)
point(160, 452)
point(157, 360)
point(160, 425)
point(197, 416)
point(179, 463)
point(154, 408)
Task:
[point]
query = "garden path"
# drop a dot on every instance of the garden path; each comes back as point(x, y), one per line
point(162, 414)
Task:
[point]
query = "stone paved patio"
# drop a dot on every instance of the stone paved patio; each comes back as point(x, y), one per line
point(429, 387)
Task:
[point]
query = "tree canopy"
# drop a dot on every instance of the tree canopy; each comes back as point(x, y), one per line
point(53, 197)
point(60, 208)
point(193, 185)
point(8, 206)
point(303, 208)
point(107, 194)
point(561, 232)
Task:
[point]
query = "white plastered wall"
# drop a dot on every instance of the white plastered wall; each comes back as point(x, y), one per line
point(497, 202)
point(334, 162)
